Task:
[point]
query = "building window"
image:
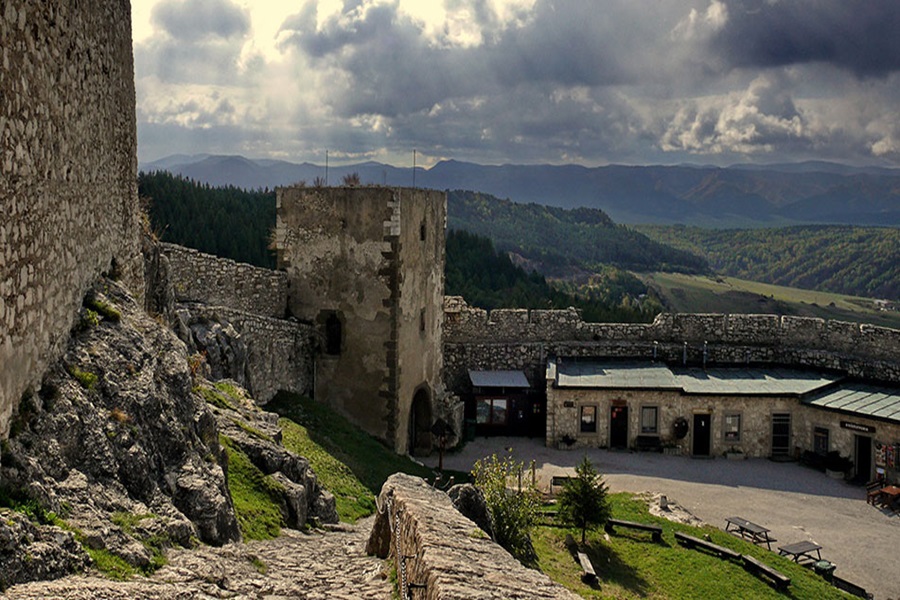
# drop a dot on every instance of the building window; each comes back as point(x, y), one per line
point(491, 411)
point(820, 441)
point(649, 419)
point(333, 334)
point(731, 429)
point(588, 419)
point(422, 230)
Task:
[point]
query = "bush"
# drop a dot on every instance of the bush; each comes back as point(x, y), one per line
point(513, 511)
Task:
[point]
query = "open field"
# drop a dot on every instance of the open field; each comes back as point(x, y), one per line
point(717, 294)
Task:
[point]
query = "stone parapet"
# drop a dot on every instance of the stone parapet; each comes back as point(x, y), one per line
point(442, 554)
point(208, 279)
point(522, 340)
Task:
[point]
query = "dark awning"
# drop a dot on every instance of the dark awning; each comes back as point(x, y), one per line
point(499, 379)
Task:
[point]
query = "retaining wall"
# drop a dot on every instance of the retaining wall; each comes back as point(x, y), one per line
point(68, 175)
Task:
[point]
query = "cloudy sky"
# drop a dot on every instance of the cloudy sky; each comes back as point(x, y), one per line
point(520, 81)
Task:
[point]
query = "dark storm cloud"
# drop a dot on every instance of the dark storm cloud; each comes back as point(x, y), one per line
point(860, 36)
point(199, 19)
point(395, 69)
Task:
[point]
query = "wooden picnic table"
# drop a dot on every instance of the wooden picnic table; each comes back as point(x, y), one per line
point(888, 494)
point(747, 529)
point(800, 550)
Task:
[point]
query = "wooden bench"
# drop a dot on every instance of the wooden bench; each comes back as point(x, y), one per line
point(850, 588)
point(648, 443)
point(691, 542)
point(588, 574)
point(781, 580)
point(656, 530)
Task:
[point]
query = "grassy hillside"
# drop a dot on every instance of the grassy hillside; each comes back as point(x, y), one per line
point(861, 261)
point(691, 293)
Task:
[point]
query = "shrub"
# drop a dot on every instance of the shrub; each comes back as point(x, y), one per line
point(513, 511)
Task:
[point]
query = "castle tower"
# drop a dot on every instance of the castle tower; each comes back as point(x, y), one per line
point(366, 266)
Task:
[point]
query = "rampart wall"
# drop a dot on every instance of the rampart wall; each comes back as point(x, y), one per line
point(280, 353)
point(440, 554)
point(204, 278)
point(522, 339)
point(68, 191)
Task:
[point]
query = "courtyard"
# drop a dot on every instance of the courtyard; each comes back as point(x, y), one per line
point(795, 502)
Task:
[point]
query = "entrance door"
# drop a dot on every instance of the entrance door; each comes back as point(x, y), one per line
point(618, 427)
point(781, 434)
point(863, 458)
point(702, 428)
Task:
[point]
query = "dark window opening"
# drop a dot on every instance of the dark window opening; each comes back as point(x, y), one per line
point(422, 231)
point(333, 334)
point(588, 419)
point(820, 441)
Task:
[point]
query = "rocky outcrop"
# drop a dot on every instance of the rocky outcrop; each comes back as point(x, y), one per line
point(469, 501)
point(121, 444)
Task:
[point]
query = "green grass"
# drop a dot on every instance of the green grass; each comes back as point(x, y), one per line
point(256, 497)
point(349, 463)
point(716, 294)
point(631, 565)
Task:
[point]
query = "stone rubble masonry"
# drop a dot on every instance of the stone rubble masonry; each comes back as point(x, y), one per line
point(280, 352)
point(197, 277)
point(523, 339)
point(68, 167)
point(447, 553)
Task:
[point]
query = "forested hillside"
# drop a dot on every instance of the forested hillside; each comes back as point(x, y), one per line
point(860, 261)
point(225, 221)
point(560, 240)
point(489, 279)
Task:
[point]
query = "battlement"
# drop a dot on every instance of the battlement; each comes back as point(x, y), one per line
point(520, 339)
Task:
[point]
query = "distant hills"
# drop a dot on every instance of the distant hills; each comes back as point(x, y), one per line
point(739, 196)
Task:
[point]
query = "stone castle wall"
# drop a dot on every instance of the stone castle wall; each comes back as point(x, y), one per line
point(68, 190)
point(440, 554)
point(204, 278)
point(522, 340)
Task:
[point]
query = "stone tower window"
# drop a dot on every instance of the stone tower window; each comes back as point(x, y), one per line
point(334, 334)
point(422, 231)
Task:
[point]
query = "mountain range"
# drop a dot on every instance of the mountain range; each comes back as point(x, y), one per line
point(738, 196)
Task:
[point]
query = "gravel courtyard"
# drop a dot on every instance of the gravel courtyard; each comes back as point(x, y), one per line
point(795, 502)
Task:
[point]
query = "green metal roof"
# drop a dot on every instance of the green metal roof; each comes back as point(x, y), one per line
point(713, 381)
point(861, 399)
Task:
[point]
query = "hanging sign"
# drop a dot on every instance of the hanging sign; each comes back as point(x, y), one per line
point(857, 427)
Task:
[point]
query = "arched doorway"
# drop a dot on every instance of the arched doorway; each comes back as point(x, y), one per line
point(420, 424)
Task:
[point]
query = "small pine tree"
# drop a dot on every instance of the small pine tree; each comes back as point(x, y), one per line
point(583, 501)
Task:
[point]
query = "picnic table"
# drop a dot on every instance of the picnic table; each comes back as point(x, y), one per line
point(800, 550)
point(888, 495)
point(749, 530)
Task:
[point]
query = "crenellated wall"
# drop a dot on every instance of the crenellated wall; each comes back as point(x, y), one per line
point(522, 339)
point(68, 168)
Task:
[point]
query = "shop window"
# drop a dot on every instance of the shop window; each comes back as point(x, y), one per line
point(491, 411)
point(820, 441)
point(732, 428)
point(588, 419)
point(649, 419)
